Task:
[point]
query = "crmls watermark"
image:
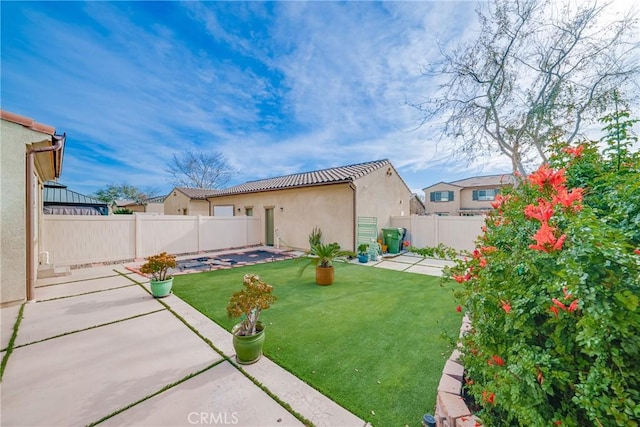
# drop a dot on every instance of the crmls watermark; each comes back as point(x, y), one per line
point(213, 418)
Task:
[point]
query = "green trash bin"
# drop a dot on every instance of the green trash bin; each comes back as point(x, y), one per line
point(393, 239)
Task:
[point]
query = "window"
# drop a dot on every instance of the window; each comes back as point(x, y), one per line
point(248, 211)
point(223, 210)
point(485, 195)
point(441, 196)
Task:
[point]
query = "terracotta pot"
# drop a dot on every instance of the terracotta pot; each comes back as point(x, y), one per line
point(324, 276)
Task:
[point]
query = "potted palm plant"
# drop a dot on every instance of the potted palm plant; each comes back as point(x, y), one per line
point(323, 256)
point(363, 253)
point(248, 335)
point(158, 266)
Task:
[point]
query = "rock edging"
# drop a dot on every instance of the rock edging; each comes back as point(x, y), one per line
point(451, 409)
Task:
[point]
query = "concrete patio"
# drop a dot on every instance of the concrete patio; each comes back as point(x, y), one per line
point(97, 348)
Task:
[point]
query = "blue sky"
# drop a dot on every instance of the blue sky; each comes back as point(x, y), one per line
point(279, 87)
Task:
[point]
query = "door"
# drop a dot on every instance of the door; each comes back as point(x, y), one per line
point(269, 235)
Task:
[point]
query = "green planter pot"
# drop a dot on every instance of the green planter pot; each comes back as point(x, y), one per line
point(248, 348)
point(160, 289)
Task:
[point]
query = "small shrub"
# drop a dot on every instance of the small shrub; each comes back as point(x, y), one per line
point(249, 302)
point(159, 265)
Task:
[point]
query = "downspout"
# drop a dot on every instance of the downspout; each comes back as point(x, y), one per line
point(355, 219)
point(58, 142)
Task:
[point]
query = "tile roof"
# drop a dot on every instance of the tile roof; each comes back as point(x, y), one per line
point(27, 122)
point(197, 193)
point(481, 181)
point(334, 175)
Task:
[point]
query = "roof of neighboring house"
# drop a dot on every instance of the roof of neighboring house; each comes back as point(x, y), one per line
point(121, 203)
point(156, 199)
point(336, 175)
point(56, 193)
point(480, 181)
point(197, 193)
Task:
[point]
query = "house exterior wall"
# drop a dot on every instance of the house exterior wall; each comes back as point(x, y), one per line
point(442, 208)
point(178, 203)
point(329, 207)
point(13, 209)
point(156, 208)
point(382, 194)
point(467, 202)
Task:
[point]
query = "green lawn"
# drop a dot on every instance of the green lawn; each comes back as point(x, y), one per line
point(373, 341)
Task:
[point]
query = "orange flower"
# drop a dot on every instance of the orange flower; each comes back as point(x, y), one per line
point(574, 151)
point(488, 397)
point(554, 309)
point(546, 240)
point(558, 303)
point(547, 176)
point(636, 251)
point(573, 306)
point(499, 201)
point(505, 306)
point(497, 359)
point(543, 211)
point(567, 199)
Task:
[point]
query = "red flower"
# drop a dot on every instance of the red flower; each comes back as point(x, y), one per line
point(505, 306)
point(558, 303)
point(543, 211)
point(546, 240)
point(499, 201)
point(554, 309)
point(574, 151)
point(497, 359)
point(458, 309)
point(405, 243)
point(567, 199)
point(459, 278)
point(637, 251)
point(545, 175)
point(567, 294)
point(488, 397)
point(573, 306)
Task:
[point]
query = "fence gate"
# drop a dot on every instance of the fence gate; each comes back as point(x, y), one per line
point(367, 229)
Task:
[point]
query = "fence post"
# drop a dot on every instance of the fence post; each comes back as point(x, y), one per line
point(137, 230)
point(436, 230)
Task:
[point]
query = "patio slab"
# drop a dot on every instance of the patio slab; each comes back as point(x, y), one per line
point(425, 269)
point(8, 316)
point(79, 378)
point(83, 274)
point(218, 396)
point(436, 262)
point(47, 319)
point(391, 265)
point(304, 399)
point(81, 287)
point(405, 259)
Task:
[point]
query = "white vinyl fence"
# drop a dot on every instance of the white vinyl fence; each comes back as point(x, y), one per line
point(458, 232)
point(75, 239)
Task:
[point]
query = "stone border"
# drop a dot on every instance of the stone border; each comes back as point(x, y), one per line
point(451, 409)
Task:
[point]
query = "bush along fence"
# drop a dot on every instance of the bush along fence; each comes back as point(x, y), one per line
point(553, 293)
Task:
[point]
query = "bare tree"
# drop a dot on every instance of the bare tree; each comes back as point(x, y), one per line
point(198, 169)
point(537, 71)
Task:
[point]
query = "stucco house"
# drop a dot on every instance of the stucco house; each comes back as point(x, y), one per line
point(21, 210)
point(349, 203)
point(465, 197)
point(188, 201)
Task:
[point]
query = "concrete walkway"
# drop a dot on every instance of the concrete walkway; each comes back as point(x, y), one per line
point(97, 348)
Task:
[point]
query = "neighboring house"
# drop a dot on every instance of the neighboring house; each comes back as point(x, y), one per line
point(417, 205)
point(21, 185)
point(58, 200)
point(335, 199)
point(467, 197)
point(151, 205)
point(131, 205)
point(188, 201)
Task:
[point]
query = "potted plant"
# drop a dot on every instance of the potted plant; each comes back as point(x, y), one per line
point(323, 256)
point(158, 266)
point(363, 253)
point(248, 335)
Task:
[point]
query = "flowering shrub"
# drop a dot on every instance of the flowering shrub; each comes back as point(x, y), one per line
point(553, 293)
